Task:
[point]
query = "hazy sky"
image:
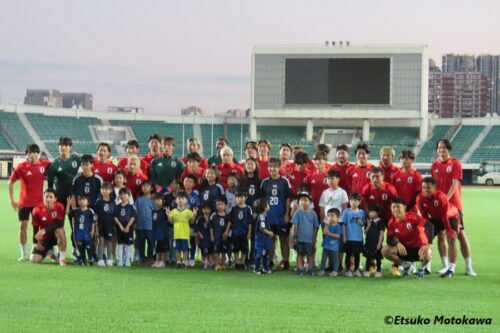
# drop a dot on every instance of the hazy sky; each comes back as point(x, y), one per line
point(165, 55)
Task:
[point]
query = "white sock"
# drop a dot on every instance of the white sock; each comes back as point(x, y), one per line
point(127, 252)
point(428, 266)
point(23, 249)
point(468, 263)
point(444, 261)
point(451, 267)
point(62, 255)
point(119, 252)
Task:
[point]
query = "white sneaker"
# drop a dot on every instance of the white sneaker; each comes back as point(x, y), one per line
point(23, 258)
point(470, 272)
point(101, 263)
point(333, 274)
point(378, 274)
point(366, 274)
point(191, 263)
point(128, 263)
point(119, 263)
point(155, 264)
point(109, 262)
point(357, 273)
point(348, 274)
point(160, 265)
point(443, 270)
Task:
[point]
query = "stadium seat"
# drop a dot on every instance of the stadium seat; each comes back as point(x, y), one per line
point(15, 130)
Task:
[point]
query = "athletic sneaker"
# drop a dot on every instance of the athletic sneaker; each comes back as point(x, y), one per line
point(160, 264)
point(395, 271)
point(406, 269)
point(119, 263)
point(448, 274)
point(348, 274)
point(366, 273)
point(378, 274)
point(101, 263)
point(128, 263)
point(357, 273)
point(256, 272)
point(62, 262)
point(420, 274)
point(470, 272)
point(298, 272)
point(333, 274)
point(443, 270)
point(75, 256)
point(23, 258)
point(268, 271)
point(109, 262)
point(321, 273)
point(191, 263)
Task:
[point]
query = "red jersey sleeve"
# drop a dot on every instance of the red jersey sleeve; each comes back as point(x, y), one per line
point(457, 170)
point(60, 212)
point(15, 175)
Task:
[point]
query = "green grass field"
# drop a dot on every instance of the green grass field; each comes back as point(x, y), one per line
point(49, 298)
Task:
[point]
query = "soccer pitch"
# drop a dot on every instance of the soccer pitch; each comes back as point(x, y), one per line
point(49, 298)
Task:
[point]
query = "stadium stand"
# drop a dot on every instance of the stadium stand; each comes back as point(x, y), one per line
point(428, 150)
point(489, 150)
point(13, 128)
point(53, 127)
point(464, 139)
point(4, 142)
point(294, 135)
point(400, 138)
point(235, 134)
point(209, 139)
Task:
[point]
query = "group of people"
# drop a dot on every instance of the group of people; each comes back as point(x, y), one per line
point(167, 208)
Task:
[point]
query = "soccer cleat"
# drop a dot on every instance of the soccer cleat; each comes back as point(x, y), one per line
point(420, 274)
point(179, 265)
point(443, 270)
point(101, 263)
point(22, 258)
point(395, 271)
point(321, 273)
point(470, 272)
point(62, 262)
point(160, 264)
point(119, 263)
point(310, 272)
point(109, 262)
point(256, 272)
point(448, 274)
point(406, 269)
point(378, 274)
point(267, 271)
point(191, 263)
point(366, 273)
point(298, 272)
point(348, 274)
point(155, 264)
point(183, 265)
point(333, 274)
point(128, 263)
point(357, 273)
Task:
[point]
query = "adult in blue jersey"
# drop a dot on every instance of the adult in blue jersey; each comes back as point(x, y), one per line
point(278, 192)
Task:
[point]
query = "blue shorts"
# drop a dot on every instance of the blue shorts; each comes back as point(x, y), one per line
point(222, 246)
point(181, 244)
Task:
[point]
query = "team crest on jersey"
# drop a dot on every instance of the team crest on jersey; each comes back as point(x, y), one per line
point(240, 215)
point(205, 196)
point(221, 222)
point(54, 215)
point(110, 171)
point(251, 191)
point(82, 219)
point(42, 169)
point(410, 180)
point(436, 203)
point(173, 164)
point(408, 226)
point(123, 212)
point(384, 196)
point(106, 208)
point(448, 169)
point(138, 182)
point(74, 165)
point(86, 190)
point(262, 224)
point(325, 181)
point(155, 216)
point(44, 218)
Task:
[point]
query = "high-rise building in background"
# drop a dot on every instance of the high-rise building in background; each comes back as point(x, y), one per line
point(55, 99)
point(489, 66)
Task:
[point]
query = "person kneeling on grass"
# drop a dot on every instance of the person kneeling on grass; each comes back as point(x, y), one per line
point(407, 239)
point(48, 228)
point(305, 227)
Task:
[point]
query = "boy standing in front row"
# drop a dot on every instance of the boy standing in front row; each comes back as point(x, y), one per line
point(83, 222)
point(305, 227)
point(181, 217)
point(240, 224)
point(332, 232)
point(125, 216)
point(160, 230)
point(263, 237)
point(352, 235)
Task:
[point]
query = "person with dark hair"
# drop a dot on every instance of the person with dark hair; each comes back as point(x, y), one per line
point(342, 165)
point(133, 149)
point(217, 158)
point(105, 211)
point(202, 227)
point(219, 232)
point(160, 231)
point(211, 189)
point(286, 165)
point(298, 174)
point(31, 174)
point(447, 171)
point(332, 233)
point(317, 181)
point(193, 147)
point(240, 224)
point(406, 239)
point(374, 236)
point(167, 168)
point(324, 148)
point(387, 154)
point(194, 169)
point(359, 174)
point(154, 145)
point(264, 150)
point(263, 237)
point(407, 180)
point(144, 206)
point(353, 219)
point(125, 215)
point(48, 228)
point(103, 166)
point(83, 221)
point(251, 151)
point(378, 192)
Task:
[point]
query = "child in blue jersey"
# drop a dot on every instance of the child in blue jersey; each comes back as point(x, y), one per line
point(125, 216)
point(353, 220)
point(210, 187)
point(202, 227)
point(105, 211)
point(240, 224)
point(278, 192)
point(193, 201)
point(219, 233)
point(232, 183)
point(374, 236)
point(83, 222)
point(331, 241)
point(305, 228)
point(170, 200)
point(263, 237)
point(144, 223)
point(160, 230)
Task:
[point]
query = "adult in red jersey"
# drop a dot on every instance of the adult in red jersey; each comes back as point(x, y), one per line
point(433, 205)
point(379, 192)
point(48, 228)
point(321, 147)
point(134, 177)
point(407, 180)
point(133, 149)
point(193, 146)
point(103, 166)
point(359, 174)
point(387, 154)
point(407, 239)
point(264, 149)
point(447, 171)
point(297, 175)
point(228, 166)
point(286, 165)
point(193, 168)
point(342, 165)
point(31, 173)
point(310, 164)
point(317, 181)
point(154, 145)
